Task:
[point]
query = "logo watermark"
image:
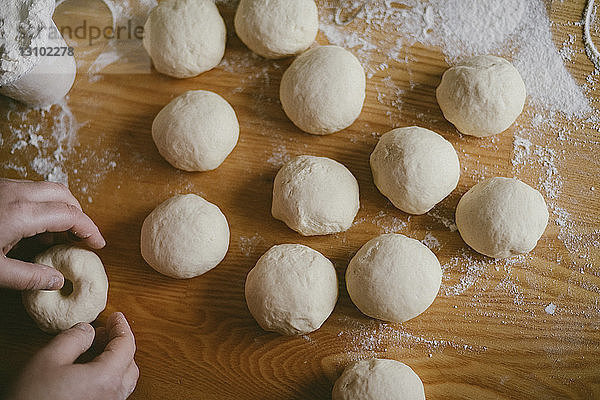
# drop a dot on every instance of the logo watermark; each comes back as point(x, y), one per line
point(94, 34)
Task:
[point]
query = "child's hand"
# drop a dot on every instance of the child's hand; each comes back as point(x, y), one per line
point(53, 375)
point(28, 209)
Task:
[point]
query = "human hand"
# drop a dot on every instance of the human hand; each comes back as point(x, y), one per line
point(52, 374)
point(29, 209)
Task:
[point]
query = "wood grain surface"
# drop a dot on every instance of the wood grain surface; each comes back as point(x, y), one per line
point(196, 338)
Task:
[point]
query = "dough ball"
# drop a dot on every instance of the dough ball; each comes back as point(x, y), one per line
point(277, 28)
point(315, 196)
point(415, 168)
point(501, 217)
point(393, 278)
point(184, 237)
point(291, 290)
point(378, 379)
point(482, 96)
point(323, 91)
point(196, 131)
point(185, 37)
point(82, 297)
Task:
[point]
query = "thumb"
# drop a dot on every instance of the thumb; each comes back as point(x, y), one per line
point(68, 345)
point(20, 275)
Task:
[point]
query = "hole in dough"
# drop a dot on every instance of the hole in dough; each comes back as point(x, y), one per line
point(67, 288)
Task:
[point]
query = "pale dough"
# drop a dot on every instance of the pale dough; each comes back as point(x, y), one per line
point(378, 379)
point(277, 28)
point(292, 289)
point(57, 310)
point(196, 131)
point(185, 37)
point(315, 196)
point(415, 168)
point(482, 96)
point(501, 217)
point(184, 237)
point(323, 91)
point(393, 278)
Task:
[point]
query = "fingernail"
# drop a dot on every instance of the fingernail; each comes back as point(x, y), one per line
point(102, 241)
point(83, 326)
point(56, 282)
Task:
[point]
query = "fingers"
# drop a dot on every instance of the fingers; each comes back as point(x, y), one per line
point(20, 275)
point(41, 192)
point(120, 349)
point(130, 378)
point(65, 348)
point(35, 218)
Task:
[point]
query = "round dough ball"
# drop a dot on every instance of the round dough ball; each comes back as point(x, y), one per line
point(378, 379)
point(415, 168)
point(277, 28)
point(482, 96)
point(196, 131)
point(323, 91)
point(501, 217)
point(184, 237)
point(393, 278)
point(291, 290)
point(58, 310)
point(185, 37)
point(315, 196)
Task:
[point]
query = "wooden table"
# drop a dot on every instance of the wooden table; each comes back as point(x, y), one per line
point(489, 334)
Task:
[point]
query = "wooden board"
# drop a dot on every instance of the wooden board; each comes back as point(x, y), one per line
point(196, 338)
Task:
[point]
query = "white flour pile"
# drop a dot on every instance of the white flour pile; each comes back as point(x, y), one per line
point(23, 24)
point(516, 29)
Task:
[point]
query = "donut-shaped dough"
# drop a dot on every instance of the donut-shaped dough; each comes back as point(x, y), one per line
point(482, 96)
point(415, 168)
point(501, 217)
point(292, 289)
point(315, 196)
point(277, 28)
point(196, 131)
point(185, 37)
point(185, 236)
point(57, 310)
point(378, 379)
point(323, 91)
point(393, 278)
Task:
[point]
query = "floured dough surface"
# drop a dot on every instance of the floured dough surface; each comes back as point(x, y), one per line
point(378, 379)
point(58, 310)
point(196, 131)
point(415, 168)
point(292, 289)
point(323, 91)
point(277, 28)
point(185, 37)
point(315, 196)
point(393, 278)
point(482, 96)
point(184, 237)
point(501, 217)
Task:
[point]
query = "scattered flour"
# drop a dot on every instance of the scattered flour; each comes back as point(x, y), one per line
point(431, 241)
point(514, 29)
point(550, 308)
point(379, 337)
point(389, 223)
point(279, 156)
point(248, 245)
